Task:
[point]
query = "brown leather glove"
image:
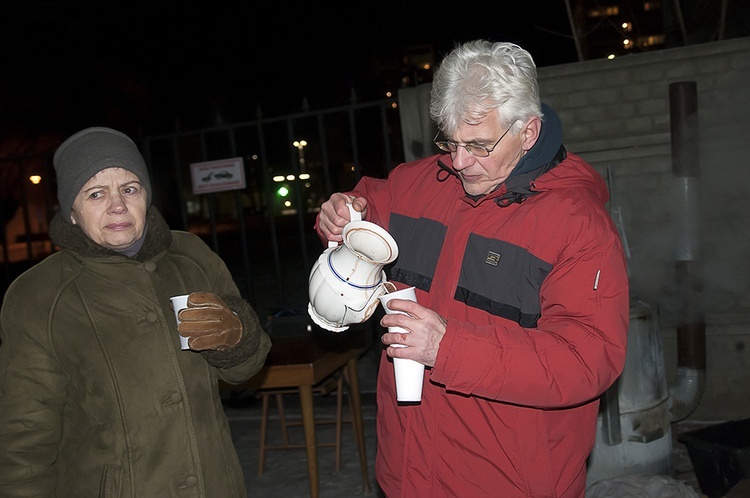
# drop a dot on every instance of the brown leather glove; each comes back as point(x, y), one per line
point(208, 323)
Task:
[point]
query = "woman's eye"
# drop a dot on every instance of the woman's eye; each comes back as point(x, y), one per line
point(95, 195)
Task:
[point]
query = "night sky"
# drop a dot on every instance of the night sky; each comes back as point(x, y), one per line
point(68, 64)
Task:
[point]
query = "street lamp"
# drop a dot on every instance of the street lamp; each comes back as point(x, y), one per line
point(301, 144)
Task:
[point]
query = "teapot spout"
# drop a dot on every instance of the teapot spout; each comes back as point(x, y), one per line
point(365, 312)
point(350, 315)
point(384, 288)
point(389, 287)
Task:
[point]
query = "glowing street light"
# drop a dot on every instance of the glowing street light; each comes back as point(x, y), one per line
point(301, 144)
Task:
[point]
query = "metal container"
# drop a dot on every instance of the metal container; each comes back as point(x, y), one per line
point(633, 429)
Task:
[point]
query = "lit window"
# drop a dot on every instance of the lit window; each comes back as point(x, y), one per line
point(612, 10)
point(649, 41)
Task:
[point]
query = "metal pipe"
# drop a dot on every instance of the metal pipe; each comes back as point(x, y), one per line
point(723, 18)
point(574, 31)
point(610, 410)
point(681, 21)
point(687, 391)
point(270, 210)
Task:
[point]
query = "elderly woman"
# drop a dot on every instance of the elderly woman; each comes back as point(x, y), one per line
point(96, 396)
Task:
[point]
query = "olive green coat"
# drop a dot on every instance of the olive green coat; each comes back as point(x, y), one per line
point(96, 397)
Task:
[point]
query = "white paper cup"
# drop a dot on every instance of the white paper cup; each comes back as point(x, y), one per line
point(409, 378)
point(179, 303)
point(407, 294)
point(409, 373)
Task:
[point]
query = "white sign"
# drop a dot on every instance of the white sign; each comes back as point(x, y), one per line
point(218, 176)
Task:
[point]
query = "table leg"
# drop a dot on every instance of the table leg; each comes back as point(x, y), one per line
point(308, 421)
point(359, 429)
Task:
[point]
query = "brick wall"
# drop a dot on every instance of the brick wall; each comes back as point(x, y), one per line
point(616, 115)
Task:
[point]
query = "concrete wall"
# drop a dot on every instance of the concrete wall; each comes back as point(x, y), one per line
point(616, 115)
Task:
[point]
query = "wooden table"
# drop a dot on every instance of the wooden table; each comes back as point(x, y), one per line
point(302, 363)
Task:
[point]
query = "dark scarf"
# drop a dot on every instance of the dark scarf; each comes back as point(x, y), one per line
point(157, 238)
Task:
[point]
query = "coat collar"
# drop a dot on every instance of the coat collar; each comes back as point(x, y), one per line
point(71, 238)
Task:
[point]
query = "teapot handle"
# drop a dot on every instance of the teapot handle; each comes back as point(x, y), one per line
point(353, 216)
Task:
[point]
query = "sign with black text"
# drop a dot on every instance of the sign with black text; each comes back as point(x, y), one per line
point(218, 176)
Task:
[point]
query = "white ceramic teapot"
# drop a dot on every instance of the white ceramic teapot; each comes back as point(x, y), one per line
point(347, 280)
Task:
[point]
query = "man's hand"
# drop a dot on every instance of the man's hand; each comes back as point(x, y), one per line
point(208, 323)
point(426, 329)
point(334, 215)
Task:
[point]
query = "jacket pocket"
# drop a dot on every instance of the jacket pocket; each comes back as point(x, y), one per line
point(110, 483)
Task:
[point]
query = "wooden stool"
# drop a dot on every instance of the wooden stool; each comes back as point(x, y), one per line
point(300, 365)
point(334, 383)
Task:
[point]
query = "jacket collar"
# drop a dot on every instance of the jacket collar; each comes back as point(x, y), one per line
point(546, 147)
point(71, 238)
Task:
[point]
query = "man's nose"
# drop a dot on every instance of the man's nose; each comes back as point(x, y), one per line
point(462, 159)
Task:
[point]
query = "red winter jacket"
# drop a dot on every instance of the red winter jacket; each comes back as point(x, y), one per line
point(536, 298)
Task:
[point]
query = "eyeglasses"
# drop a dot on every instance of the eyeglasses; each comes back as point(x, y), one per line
point(473, 149)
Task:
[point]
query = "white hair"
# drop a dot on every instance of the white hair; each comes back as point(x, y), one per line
point(480, 77)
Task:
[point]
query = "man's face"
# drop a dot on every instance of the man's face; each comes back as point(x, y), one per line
point(111, 208)
point(480, 175)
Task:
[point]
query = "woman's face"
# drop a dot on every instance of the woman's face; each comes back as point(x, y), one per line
point(111, 208)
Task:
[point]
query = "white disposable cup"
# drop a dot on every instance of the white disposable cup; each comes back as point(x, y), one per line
point(180, 303)
point(407, 294)
point(409, 373)
point(409, 378)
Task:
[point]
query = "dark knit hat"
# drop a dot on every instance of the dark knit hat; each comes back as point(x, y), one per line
point(88, 152)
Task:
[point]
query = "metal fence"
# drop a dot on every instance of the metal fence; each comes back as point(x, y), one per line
point(263, 231)
point(292, 164)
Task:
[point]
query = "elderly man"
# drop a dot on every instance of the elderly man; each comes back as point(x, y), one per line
point(522, 292)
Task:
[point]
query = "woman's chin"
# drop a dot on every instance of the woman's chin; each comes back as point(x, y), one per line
point(118, 243)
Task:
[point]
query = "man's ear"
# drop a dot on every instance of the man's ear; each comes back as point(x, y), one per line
point(530, 132)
